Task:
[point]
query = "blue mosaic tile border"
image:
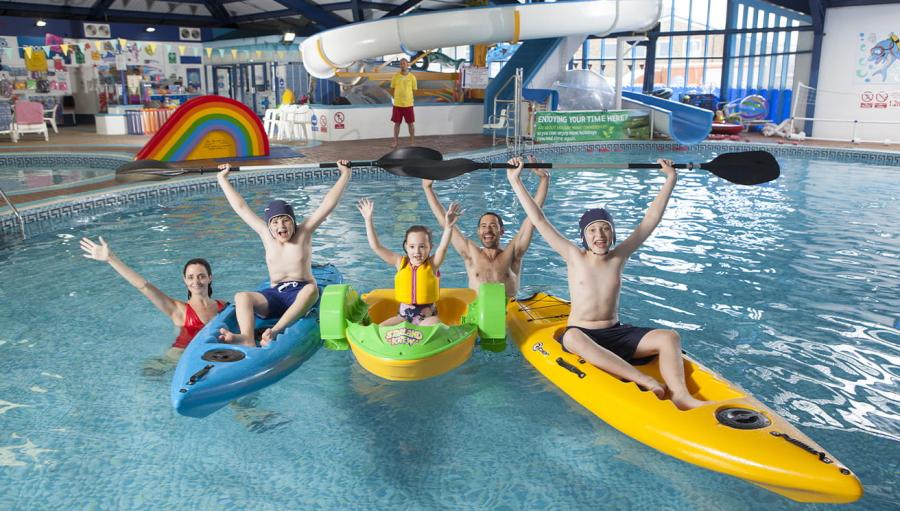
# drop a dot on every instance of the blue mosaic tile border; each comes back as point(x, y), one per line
point(60, 214)
point(86, 161)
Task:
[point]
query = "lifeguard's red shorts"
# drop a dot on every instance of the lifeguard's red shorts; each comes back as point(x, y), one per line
point(403, 113)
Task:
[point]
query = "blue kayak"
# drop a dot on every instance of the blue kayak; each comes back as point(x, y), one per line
point(210, 374)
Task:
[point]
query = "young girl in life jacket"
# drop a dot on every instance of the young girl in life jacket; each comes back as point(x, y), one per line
point(417, 282)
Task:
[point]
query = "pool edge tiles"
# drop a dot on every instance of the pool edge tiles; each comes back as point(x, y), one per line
point(88, 160)
point(64, 211)
point(48, 216)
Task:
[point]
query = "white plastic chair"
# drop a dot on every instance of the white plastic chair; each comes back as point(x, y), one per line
point(29, 119)
point(501, 122)
point(271, 118)
point(282, 122)
point(50, 117)
point(302, 117)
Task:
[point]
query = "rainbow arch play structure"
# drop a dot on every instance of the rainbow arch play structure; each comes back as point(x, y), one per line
point(208, 127)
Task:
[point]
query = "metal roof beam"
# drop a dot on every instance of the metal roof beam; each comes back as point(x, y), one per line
point(403, 8)
point(100, 7)
point(340, 6)
point(218, 11)
point(313, 12)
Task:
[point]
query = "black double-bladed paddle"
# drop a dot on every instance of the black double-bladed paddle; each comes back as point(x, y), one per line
point(745, 168)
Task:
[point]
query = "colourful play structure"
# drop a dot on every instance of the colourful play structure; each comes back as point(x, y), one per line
point(208, 127)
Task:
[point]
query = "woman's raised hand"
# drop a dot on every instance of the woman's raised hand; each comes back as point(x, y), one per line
point(94, 251)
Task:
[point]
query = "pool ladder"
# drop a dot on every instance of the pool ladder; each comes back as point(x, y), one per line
point(15, 212)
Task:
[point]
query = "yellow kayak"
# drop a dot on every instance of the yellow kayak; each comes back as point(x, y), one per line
point(736, 435)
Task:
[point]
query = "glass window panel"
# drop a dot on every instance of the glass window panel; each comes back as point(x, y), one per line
point(694, 73)
point(679, 45)
point(698, 14)
point(665, 22)
point(776, 71)
point(718, 9)
point(716, 45)
point(661, 73)
point(662, 47)
point(713, 77)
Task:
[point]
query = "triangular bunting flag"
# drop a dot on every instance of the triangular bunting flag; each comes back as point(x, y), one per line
point(280, 55)
point(233, 53)
point(122, 44)
point(181, 49)
point(65, 48)
point(172, 6)
point(193, 8)
point(28, 51)
point(258, 54)
point(125, 3)
point(221, 52)
point(208, 53)
point(150, 4)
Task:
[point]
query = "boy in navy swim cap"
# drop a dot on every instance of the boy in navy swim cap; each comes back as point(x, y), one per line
point(491, 262)
point(595, 280)
point(288, 245)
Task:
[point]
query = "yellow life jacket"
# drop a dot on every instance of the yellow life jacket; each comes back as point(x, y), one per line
point(416, 286)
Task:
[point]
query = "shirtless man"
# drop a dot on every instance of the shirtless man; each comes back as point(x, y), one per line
point(490, 262)
point(288, 245)
point(595, 280)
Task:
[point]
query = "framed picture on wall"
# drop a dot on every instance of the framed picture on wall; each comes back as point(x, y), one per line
point(193, 79)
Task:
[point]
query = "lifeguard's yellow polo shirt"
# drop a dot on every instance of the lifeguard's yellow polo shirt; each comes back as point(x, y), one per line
point(403, 88)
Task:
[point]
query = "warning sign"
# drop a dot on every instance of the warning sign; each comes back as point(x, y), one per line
point(339, 120)
point(323, 123)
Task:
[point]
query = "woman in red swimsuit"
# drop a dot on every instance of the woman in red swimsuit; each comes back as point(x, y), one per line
point(190, 316)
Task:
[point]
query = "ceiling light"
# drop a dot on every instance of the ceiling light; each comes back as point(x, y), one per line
point(288, 37)
point(150, 29)
point(40, 23)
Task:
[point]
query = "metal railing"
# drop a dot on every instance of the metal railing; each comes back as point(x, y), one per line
point(15, 212)
point(514, 111)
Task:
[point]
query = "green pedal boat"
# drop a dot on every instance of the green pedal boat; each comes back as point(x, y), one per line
point(406, 352)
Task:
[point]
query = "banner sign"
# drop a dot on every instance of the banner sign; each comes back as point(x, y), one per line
point(589, 126)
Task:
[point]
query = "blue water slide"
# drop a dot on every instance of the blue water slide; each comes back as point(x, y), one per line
point(530, 56)
point(685, 124)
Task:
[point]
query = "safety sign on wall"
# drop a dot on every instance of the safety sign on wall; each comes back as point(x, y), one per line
point(881, 100)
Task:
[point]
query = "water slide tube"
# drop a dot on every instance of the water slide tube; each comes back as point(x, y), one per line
point(685, 124)
point(334, 49)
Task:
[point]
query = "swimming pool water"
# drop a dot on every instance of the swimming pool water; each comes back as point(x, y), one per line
point(787, 289)
point(16, 181)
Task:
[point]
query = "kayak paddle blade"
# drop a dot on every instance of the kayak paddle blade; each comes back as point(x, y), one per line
point(746, 168)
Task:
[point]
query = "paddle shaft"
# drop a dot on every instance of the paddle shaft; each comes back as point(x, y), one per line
point(546, 165)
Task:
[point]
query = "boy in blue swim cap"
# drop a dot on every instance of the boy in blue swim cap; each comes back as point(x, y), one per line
point(288, 245)
point(595, 281)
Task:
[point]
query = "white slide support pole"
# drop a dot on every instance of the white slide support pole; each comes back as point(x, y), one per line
point(335, 49)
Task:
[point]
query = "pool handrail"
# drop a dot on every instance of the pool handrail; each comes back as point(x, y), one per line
point(15, 211)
